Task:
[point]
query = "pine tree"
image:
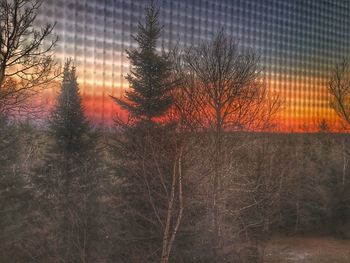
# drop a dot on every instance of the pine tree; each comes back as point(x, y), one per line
point(150, 78)
point(68, 123)
point(146, 152)
point(68, 180)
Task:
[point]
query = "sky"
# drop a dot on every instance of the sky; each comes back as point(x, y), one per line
point(298, 42)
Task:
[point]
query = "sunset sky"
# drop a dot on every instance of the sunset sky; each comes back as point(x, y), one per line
point(298, 42)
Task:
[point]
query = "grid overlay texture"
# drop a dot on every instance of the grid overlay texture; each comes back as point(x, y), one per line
point(298, 41)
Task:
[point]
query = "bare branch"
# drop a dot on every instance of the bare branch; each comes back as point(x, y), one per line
point(26, 63)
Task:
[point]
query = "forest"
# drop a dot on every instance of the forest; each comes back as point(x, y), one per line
point(193, 172)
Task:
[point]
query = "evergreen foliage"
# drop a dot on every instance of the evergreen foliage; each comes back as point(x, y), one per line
point(68, 181)
point(150, 78)
point(68, 123)
point(146, 150)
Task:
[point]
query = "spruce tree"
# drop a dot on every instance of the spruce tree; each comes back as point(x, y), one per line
point(147, 149)
point(68, 123)
point(68, 180)
point(150, 78)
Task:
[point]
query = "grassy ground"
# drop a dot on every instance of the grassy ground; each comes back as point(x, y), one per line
point(307, 249)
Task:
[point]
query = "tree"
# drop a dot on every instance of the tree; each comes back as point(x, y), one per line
point(150, 78)
point(26, 63)
point(68, 123)
point(224, 91)
point(225, 87)
point(339, 89)
point(150, 153)
point(15, 197)
point(26, 67)
point(150, 170)
point(68, 181)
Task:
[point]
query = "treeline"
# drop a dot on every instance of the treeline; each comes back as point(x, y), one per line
point(271, 184)
point(190, 175)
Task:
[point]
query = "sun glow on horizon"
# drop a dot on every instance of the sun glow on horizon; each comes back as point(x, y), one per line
point(297, 48)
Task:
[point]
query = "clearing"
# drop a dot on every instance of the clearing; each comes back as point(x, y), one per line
point(307, 249)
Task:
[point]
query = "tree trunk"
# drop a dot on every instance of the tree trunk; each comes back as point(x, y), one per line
point(170, 234)
point(216, 183)
point(344, 163)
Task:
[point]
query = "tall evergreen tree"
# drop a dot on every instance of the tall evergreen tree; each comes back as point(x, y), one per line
point(68, 123)
point(150, 78)
point(147, 152)
point(68, 180)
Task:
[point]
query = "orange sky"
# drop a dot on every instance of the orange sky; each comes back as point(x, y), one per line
point(101, 110)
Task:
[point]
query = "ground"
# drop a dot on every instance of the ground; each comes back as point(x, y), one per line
point(307, 249)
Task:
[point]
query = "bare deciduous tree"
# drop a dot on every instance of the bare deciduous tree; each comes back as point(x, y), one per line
point(223, 90)
point(26, 63)
point(174, 214)
point(151, 190)
point(224, 87)
point(339, 88)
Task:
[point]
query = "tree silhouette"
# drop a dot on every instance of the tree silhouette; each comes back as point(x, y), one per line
point(150, 78)
point(68, 181)
point(26, 64)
